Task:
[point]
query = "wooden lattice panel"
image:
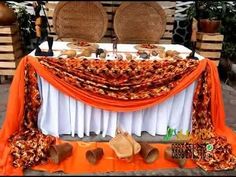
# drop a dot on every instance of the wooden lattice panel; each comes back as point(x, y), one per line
point(110, 7)
point(10, 49)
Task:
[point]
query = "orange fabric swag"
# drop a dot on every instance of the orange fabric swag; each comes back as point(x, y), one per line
point(76, 163)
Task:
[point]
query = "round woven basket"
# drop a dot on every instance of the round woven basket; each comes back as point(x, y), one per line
point(80, 20)
point(139, 22)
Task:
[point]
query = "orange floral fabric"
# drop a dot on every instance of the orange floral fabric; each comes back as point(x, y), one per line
point(203, 130)
point(121, 79)
point(105, 102)
point(29, 146)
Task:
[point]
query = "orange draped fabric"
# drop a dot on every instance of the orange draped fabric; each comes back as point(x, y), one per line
point(77, 162)
point(217, 109)
point(112, 104)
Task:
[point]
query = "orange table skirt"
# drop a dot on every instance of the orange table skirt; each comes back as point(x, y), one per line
point(77, 162)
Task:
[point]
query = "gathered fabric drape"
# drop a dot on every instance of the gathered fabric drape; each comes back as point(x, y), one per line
point(20, 125)
point(138, 94)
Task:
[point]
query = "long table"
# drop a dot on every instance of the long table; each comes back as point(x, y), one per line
point(61, 114)
point(54, 96)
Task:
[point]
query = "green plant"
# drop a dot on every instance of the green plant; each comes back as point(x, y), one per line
point(170, 133)
point(213, 10)
point(228, 29)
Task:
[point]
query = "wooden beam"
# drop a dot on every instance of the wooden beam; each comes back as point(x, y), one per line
point(8, 29)
point(7, 72)
point(10, 39)
point(209, 46)
point(209, 37)
point(165, 41)
point(167, 4)
point(7, 56)
point(8, 64)
point(208, 54)
point(9, 47)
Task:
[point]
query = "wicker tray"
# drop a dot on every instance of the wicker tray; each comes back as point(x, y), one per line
point(142, 47)
point(80, 20)
point(140, 22)
point(75, 45)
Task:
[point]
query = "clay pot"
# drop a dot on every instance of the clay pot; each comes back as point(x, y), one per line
point(209, 26)
point(59, 152)
point(168, 156)
point(93, 156)
point(148, 152)
point(7, 15)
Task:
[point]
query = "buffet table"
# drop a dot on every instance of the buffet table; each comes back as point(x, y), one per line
point(61, 114)
point(50, 96)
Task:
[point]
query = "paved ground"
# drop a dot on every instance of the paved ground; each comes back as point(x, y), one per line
point(229, 95)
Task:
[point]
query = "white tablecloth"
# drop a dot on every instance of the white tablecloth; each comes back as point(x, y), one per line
point(61, 114)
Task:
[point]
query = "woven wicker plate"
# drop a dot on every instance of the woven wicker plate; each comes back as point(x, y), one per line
point(144, 47)
point(140, 22)
point(75, 45)
point(80, 20)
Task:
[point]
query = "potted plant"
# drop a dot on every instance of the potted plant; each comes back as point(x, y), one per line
point(226, 13)
point(208, 14)
point(227, 66)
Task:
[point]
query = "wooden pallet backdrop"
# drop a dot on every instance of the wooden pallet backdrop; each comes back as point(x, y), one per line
point(111, 6)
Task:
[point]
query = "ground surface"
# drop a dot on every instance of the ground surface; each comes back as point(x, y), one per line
point(229, 95)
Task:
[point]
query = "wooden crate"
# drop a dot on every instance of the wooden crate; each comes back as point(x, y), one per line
point(209, 45)
point(10, 49)
point(110, 7)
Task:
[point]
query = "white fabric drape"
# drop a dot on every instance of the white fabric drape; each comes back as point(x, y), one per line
point(61, 114)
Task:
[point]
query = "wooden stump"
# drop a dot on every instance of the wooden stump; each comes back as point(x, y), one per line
point(10, 49)
point(209, 45)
